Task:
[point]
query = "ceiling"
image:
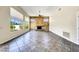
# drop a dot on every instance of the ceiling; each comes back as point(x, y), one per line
point(34, 10)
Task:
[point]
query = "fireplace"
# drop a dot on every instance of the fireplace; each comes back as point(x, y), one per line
point(39, 27)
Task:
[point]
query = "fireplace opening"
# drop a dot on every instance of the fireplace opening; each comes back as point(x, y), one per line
point(39, 27)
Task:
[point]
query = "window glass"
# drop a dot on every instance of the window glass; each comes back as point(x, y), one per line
point(45, 19)
point(16, 19)
point(26, 23)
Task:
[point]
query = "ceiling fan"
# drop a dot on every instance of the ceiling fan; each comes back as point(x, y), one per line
point(39, 13)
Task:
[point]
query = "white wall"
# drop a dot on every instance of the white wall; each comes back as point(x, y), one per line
point(64, 21)
point(77, 26)
point(5, 33)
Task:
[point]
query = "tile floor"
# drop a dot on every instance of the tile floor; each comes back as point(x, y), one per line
point(37, 41)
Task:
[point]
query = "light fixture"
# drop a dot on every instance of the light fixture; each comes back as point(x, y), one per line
point(40, 14)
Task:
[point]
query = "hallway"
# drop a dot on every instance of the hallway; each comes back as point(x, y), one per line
point(37, 41)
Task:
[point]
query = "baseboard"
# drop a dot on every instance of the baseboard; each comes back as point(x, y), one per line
point(14, 38)
point(64, 38)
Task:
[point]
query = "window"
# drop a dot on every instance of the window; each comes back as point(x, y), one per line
point(26, 23)
point(16, 19)
point(46, 19)
point(33, 20)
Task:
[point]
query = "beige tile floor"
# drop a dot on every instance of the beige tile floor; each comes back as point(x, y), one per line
point(35, 41)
